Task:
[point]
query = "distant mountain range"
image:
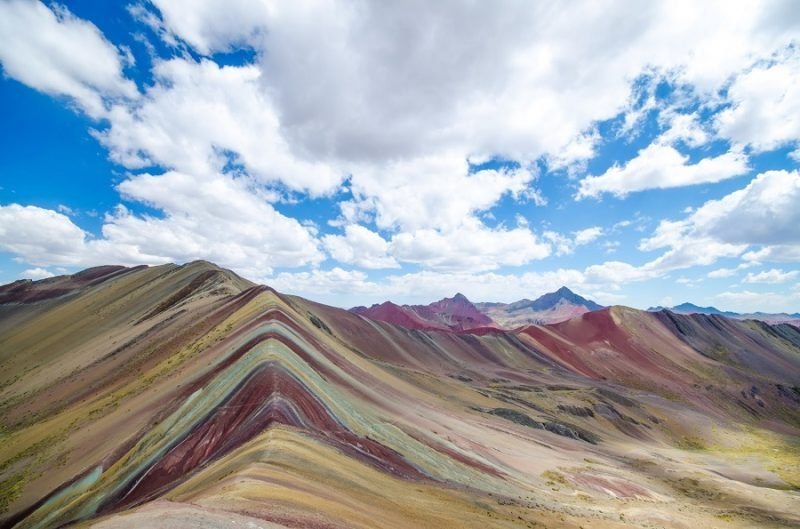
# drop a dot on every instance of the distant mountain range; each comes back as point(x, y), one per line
point(691, 308)
point(456, 313)
point(459, 313)
point(553, 307)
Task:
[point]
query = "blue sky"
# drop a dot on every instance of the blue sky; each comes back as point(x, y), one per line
point(356, 152)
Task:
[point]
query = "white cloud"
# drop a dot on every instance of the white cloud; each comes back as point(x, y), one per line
point(771, 276)
point(660, 166)
point(40, 236)
point(686, 249)
point(361, 247)
point(611, 246)
point(684, 128)
point(564, 245)
point(391, 81)
point(218, 218)
point(436, 192)
point(321, 283)
point(36, 274)
point(198, 118)
point(746, 301)
point(208, 26)
point(398, 98)
point(720, 273)
point(396, 106)
point(574, 155)
point(777, 253)
point(588, 235)
point(689, 281)
point(470, 246)
point(561, 243)
point(762, 213)
point(765, 110)
point(59, 54)
point(619, 272)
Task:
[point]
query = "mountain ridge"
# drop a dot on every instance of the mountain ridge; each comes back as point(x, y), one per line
point(454, 313)
point(691, 308)
point(552, 307)
point(162, 393)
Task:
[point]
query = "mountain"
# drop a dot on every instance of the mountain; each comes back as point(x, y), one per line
point(456, 313)
point(690, 308)
point(185, 396)
point(553, 307)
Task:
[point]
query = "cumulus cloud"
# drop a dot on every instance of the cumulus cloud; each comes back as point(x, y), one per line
point(619, 272)
point(361, 247)
point(720, 273)
point(683, 128)
point(36, 274)
point(398, 98)
point(431, 192)
point(763, 213)
point(40, 236)
point(199, 118)
point(771, 276)
point(778, 252)
point(761, 217)
point(765, 105)
point(322, 284)
point(218, 218)
point(471, 246)
point(425, 118)
point(209, 26)
point(588, 235)
point(395, 81)
point(57, 53)
point(747, 301)
point(564, 244)
point(660, 166)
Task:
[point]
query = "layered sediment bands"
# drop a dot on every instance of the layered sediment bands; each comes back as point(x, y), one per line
point(270, 371)
point(269, 396)
point(184, 396)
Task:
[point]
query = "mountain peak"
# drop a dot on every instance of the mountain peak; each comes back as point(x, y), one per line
point(553, 307)
point(687, 307)
point(564, 291)
point(456, 313)
point(550, 299)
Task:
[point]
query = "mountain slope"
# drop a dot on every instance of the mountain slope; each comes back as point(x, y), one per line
point(553, 307)
point(183, 396)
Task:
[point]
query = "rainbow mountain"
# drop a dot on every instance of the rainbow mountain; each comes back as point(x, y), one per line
point(186, 396)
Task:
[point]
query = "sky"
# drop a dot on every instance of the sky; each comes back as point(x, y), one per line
point(356, 151)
